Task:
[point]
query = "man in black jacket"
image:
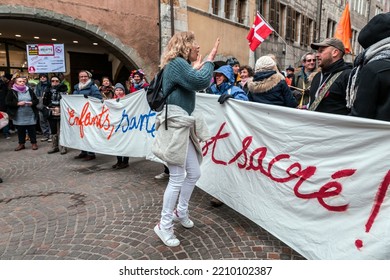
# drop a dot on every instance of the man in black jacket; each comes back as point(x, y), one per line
point(328, 88)
point(369, 92)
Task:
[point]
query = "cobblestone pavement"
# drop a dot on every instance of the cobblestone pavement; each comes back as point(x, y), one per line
point(59, 208)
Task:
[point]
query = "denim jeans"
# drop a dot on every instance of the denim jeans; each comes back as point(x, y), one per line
point(44, 124)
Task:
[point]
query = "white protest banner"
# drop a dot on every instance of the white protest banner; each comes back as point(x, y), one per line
point(46, 58)
point(124, 128)
point(316, 181)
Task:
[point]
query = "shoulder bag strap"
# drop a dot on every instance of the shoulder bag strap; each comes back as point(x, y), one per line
point(313, 106)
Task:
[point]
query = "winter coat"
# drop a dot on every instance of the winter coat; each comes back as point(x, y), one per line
point(41, 88)
point(171, 145)
point(373, 94)
point(90, 90)
point(334, 101)
point(53, 95)
point(3, 95)
point(228, 86)
point(12, 103)
point(270, 87)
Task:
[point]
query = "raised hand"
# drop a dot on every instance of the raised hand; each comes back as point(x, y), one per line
point(214, 51)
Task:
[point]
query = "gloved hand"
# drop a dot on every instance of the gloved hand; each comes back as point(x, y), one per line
point(85, 96)
point(224, 97)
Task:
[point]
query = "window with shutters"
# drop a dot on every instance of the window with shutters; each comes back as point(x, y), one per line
point(241, 10)
point(234, 10)
point(295, 18)
point(228, 13)
point(262, 4)
point(330, 28)
point(289, 33)
point(306, 24)
point(303, 33)
point(282, 20)
point(274, 11)
point(215, 6)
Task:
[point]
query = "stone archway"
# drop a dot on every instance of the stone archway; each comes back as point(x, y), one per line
point(113, 45)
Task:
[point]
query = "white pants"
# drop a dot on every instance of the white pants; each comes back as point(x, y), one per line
point(181, 183)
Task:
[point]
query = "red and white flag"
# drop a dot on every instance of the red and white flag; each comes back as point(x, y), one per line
point(259, 32)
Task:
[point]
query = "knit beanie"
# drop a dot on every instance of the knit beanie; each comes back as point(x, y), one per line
point(138, 72)
point(119, 85)
point(377, 29)
point(265, 63)
point(232, 61)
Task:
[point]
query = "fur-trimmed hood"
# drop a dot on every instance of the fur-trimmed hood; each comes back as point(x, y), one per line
point(264, 81)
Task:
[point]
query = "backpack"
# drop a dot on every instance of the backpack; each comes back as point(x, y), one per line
point(155, 95)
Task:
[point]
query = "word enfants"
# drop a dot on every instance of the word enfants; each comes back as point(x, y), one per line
point(102, 121)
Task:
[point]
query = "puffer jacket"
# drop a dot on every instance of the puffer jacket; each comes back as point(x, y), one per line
point(90, 90)
point(228, 86)
point(270, 87)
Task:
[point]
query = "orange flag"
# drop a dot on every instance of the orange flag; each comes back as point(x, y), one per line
point(343, 30)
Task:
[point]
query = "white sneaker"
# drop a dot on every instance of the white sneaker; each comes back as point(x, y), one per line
point(184, 221)
point(166, 236)
point(161, 176)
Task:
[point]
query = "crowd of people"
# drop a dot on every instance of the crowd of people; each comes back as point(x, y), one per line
point(323, 82)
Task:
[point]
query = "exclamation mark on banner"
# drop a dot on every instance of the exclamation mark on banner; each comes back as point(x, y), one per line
point(379, 198)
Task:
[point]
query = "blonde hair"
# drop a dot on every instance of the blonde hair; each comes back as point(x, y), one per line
point(179, 45)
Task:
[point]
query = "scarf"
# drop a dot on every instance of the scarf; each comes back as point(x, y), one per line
point(19, 88)
point(82, 85)
point(139, 86)
point(378, 51)
point(243, 82)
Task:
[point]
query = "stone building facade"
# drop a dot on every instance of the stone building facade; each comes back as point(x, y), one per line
point(132, 34)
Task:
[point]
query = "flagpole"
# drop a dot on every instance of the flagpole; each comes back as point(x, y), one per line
point(292, 50)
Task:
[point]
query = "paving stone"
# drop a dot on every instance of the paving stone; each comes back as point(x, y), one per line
point(54, 207)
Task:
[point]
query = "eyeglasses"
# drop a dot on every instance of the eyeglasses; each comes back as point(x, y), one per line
point(311, 60)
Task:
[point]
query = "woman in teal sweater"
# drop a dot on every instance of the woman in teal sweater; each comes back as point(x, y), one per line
point(178, 146)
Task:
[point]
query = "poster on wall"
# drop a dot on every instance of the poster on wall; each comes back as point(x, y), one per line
point(46, 58)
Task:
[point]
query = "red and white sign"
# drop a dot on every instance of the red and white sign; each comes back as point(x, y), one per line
point(46, 58)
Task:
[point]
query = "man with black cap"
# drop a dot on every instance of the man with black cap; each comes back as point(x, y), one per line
point(368, 92)
point(328, 88)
